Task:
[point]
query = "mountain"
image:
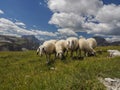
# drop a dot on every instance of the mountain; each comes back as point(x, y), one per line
point(12, 43)
point(115, 43)
point(102, 42)
point(30, 38)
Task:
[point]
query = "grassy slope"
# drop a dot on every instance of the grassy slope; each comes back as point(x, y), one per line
point(27, 71)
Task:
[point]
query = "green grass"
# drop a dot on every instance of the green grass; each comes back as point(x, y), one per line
point(27, 71)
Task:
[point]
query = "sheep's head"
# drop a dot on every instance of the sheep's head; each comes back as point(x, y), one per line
point(40, 50)
point(93, 53)
point(60, 54)
point(70, 44)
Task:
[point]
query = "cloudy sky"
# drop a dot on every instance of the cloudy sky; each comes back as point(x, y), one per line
point(61, 18)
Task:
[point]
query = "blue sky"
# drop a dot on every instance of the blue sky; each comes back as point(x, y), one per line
point(31, 12)
point(51, 17)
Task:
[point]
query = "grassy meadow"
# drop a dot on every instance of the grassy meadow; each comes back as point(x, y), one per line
point(24, 70)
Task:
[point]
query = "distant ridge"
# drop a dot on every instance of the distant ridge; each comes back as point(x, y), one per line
point(102, 42)
point(12, 43)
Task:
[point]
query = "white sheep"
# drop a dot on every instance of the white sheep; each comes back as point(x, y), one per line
point(84, 46)
point(113, 53)
point(47, 48)
point(61, 47)
point(72, 43)
point(40, 51)
point(92, 42)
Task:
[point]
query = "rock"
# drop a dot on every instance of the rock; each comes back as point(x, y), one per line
point(111, 84)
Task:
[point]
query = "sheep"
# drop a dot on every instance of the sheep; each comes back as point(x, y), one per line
point(40, 51)
point(92, 42)
point(72, 44)
point(113, 53)
point(60, 47)
point(47, 48)
point(84, 46)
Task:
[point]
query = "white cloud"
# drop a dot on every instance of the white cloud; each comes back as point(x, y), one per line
point(76, 6)
point(109, 13)
point(8, 27)
point(113, 39)
point(67, 32)
point(109, 21)
point(44, 33)
point(91, 16)
point(21, 24)
point(73, 13)
point(1, 12)
point(67, 20)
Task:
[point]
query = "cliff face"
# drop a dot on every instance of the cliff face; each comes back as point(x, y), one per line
point(11, 43)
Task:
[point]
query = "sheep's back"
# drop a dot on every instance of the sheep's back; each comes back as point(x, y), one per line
point(49, 47)
point(83, 44)
point(92, 42)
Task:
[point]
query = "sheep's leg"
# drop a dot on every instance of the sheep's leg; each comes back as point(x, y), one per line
point(85, 53)
point(66, 52)
point(49, 56)
point(71, 54)
point(54, 56)
point(47, 60)
point(79, 53)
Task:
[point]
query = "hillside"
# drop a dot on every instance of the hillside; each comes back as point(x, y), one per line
point(12, 43)
point(25, 70)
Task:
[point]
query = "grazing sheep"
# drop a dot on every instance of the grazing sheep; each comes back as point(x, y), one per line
point(92, 42)
point(40, 51)
point(72, 44)
point(47, 48)
point(61, 47)
point(113, 53)
point(84, 46)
